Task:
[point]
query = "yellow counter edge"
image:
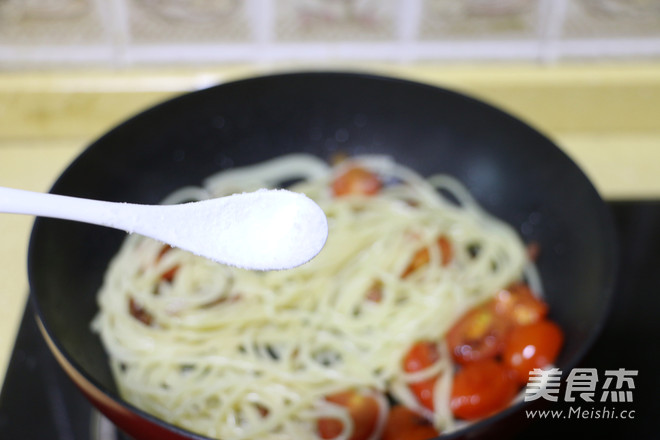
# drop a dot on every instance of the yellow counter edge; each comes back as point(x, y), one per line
point(605, 116)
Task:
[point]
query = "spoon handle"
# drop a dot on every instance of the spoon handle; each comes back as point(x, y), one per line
point(110, 214)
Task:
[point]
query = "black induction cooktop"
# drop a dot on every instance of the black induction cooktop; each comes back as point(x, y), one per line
point(39, 402)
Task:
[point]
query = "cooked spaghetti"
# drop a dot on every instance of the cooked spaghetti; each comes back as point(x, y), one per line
point(236, 354)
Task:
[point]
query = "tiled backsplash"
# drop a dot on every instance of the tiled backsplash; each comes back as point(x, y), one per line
point(128, 32)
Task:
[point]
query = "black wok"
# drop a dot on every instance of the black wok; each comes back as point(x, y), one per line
point(514, 171)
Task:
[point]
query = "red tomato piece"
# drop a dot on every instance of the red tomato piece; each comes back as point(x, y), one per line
point(518, 305)
point(423, 256)
point(364, 411)
point(480, 389)
point(532, 346)
point(478, 334)
point(422, 355)
point(375, 292)
point(165, 249)
point(262, 410)
point(405, 424)
point(482, 331)
point(356, 180)
point(169, 274)
point(138, 312)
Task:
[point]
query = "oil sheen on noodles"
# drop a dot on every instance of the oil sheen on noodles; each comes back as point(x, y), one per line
point(236, 354)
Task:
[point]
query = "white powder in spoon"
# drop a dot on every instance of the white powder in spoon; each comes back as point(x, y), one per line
point(262, 230)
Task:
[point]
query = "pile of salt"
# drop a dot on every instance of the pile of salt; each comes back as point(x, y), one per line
point(262, 230)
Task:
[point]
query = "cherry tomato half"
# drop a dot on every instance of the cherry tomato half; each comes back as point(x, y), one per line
point(356, 180)
point(478, 334)
point(364, 411)
point(532, 346)
point(422, 355)
point(482, 331)
point(481, 388)
point(423, 256)
point(518, 305)
point(405, 424)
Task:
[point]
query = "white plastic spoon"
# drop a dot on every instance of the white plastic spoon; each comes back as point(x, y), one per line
point(262, 230)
